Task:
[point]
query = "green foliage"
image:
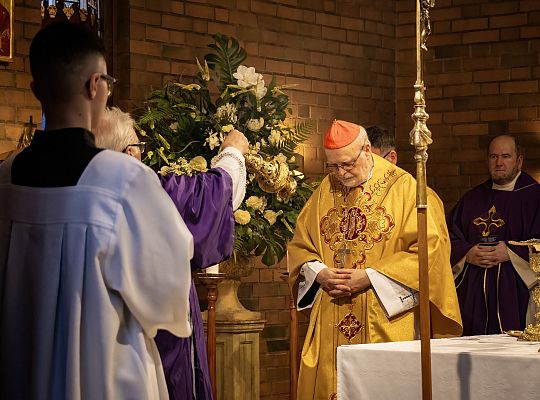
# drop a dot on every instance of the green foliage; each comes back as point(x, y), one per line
point(182, 124)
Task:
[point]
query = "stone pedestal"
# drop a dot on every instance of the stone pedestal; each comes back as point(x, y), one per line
point(237, 345)
point(237, 359)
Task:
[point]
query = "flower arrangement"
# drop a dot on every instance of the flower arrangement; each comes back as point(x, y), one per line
point(184, 125)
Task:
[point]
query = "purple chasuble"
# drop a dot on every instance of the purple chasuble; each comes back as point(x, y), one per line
point(205, 203)
point(495, 299)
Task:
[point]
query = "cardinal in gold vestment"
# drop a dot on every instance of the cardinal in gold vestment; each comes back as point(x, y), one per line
point(354, 259)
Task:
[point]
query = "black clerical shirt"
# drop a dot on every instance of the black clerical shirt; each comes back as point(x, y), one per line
point(54, 158)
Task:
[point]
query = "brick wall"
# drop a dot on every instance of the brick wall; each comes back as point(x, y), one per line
point(482, 78)
point(339, 54)
point(17, 103)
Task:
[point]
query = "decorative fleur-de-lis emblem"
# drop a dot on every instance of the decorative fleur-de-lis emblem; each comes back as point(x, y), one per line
point(489, 222)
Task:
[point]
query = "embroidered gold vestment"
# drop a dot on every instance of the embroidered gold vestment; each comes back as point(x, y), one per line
point(377, 227)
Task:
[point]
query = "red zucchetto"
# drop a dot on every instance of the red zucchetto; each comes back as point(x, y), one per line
point(340, 134)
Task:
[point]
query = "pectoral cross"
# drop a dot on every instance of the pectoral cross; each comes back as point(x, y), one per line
point(342, 259)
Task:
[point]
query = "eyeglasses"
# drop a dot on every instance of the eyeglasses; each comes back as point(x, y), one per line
point(110, 83)
point(346, 166)
point(387, 154)
point(141, 146)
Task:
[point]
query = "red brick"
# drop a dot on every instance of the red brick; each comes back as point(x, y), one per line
point(528, 113)
point(443, 40)
point(481, 63)
point(471, 24)
point(519, 87)
point(222, 14)
point(313, 71)
point(175, 22)
point(279, 67)
point(528, 5)
point(463, 116)
point(292, 13)
point(490, 88)
point(530, 32)
point(301, 84)
point(454, 78)
point(328, 20)
point(147, 48)
point(145, 17)
point(510, 34)
point(505, 21)
point(157, 34)
point(481, 36)
point(355, 24)
point(199, 11)
point(491, 75)
point(498, 115)
point(154, 65)
point(461, 90)
point(7, 113)
point(524, 127)
point(521, 73)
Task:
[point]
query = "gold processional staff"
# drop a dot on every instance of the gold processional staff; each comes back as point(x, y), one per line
point(420, 138)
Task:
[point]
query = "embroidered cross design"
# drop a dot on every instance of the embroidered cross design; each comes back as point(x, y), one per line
point(349, 326)
point(489, 222)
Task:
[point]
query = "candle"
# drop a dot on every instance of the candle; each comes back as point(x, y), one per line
point(213, 269)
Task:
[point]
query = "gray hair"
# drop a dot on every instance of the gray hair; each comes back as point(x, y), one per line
point(115, 130)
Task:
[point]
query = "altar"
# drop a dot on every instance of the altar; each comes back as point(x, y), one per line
point(465, 368)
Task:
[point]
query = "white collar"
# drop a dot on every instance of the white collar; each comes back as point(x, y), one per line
point(507, 187)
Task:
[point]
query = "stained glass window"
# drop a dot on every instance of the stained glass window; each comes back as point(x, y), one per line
point(88, 12)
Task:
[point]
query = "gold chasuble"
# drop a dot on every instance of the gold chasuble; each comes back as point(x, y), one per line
point(373, 226)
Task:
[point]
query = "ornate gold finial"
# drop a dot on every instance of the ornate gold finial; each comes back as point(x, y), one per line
point(272, 175)
point(420, 135)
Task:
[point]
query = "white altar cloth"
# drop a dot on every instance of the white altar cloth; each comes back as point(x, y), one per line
point(468, 368)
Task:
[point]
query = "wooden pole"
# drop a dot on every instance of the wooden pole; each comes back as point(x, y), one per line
point(211, 339)
point(293, 341)
point(211, 281)
point(420, 139)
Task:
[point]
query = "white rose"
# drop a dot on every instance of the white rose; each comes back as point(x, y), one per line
point(254, 125)
point(246, 77)
point(260, 90)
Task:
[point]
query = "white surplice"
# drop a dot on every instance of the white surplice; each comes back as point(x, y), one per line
point(88, 274)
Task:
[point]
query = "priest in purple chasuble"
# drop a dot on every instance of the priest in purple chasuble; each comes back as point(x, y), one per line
point(493, 278)
point(353, 259)
point(206, 202)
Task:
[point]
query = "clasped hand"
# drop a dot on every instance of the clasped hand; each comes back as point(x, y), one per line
point(488, 256)
point(342, 282)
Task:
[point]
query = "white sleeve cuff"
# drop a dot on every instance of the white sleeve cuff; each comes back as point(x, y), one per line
point(394, 297)
point(308, 288)
point(232, 161)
